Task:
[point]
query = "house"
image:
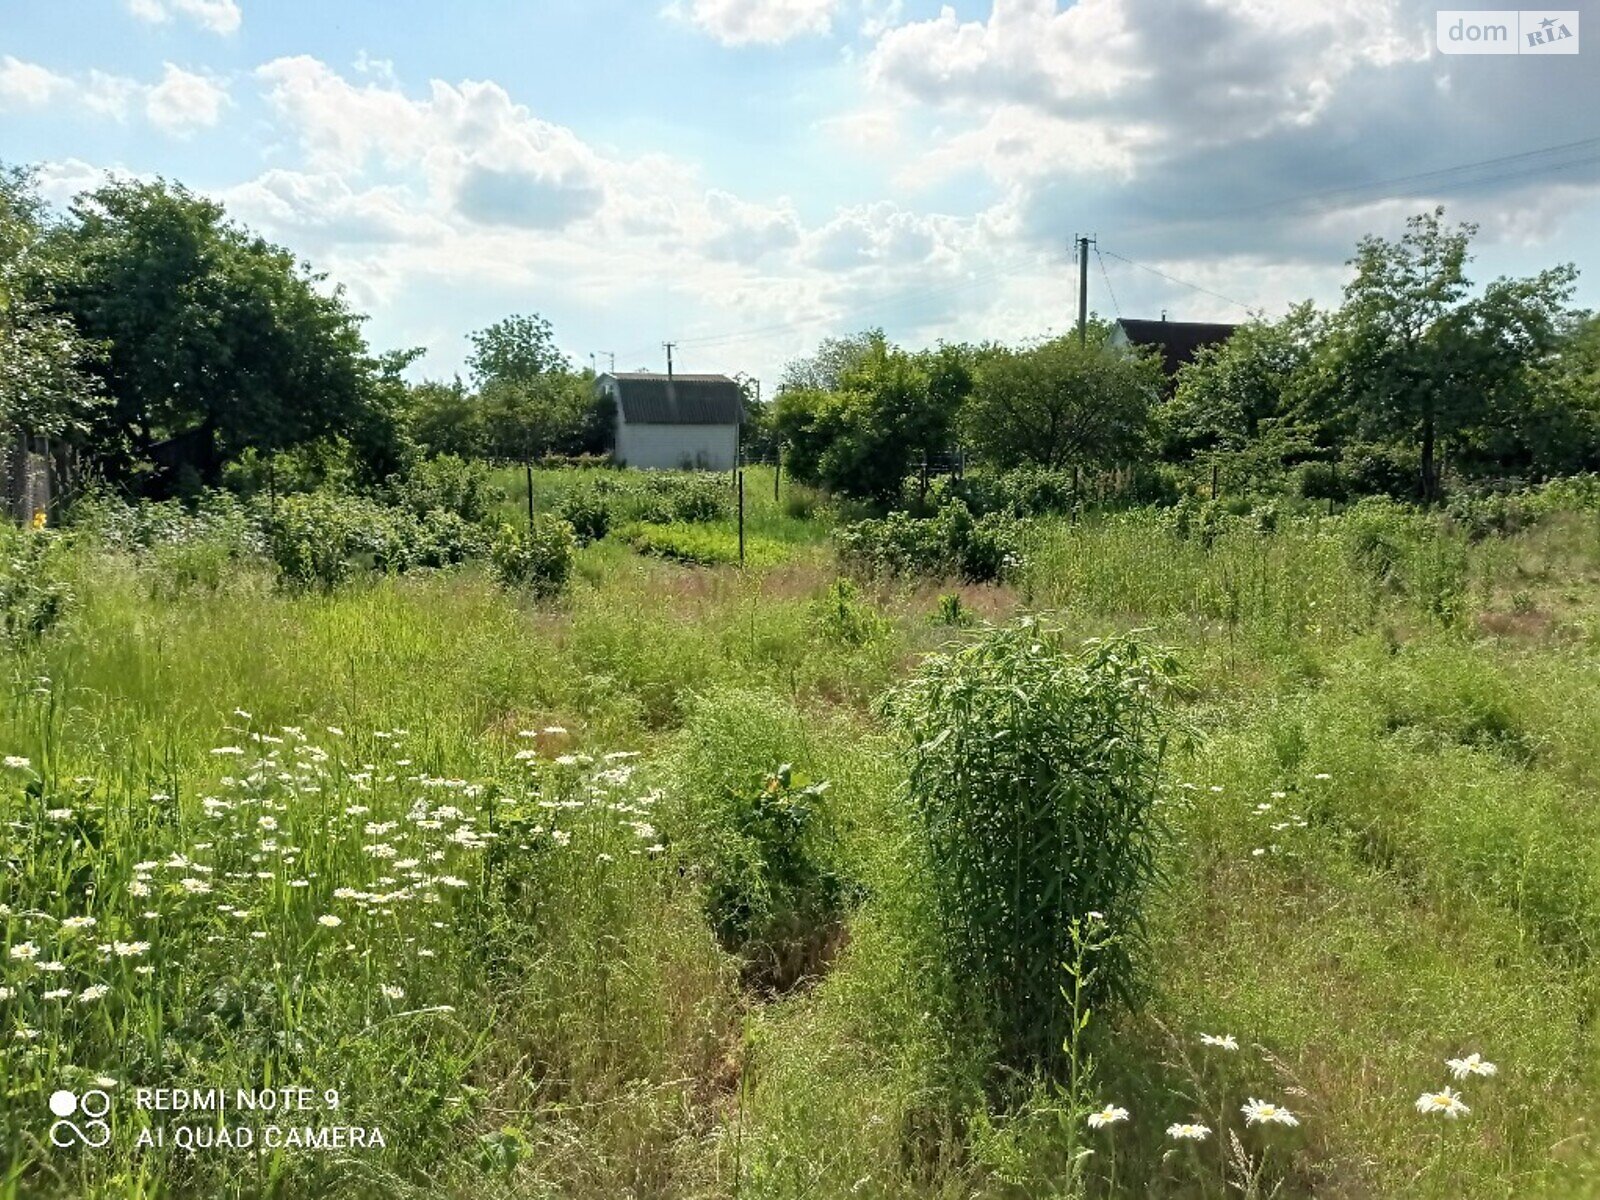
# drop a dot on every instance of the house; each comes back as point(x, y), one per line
point(1176, 341)
point(667, 422)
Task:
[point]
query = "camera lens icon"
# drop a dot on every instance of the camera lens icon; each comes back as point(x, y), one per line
point(63, 1103)
point(92, 1105)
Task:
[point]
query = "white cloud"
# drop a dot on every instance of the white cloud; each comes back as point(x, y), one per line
point(183, 101)
point(763, 22)
point(219, 16)
point(28, 85)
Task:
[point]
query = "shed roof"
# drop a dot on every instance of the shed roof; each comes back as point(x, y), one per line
point(648, 398)
point(1177, 340)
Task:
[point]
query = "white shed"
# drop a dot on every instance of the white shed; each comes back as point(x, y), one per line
point(671, 422)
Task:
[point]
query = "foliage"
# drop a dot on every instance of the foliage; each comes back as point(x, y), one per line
point(311, 538)
point(1063, 403)
point(699, 545)
point(951, 544)
point(34, 596)
point(217, 342)
point(841, 615)
point(1033, 776)
point(536, 558)
point(889, 409)
point(47, 385)
point(1413, 358)
point(448, 483)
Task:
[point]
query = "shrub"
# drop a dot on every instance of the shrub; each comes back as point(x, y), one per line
point(1032, 777)
point(448, 483)
point(700, 546)
point(950, 544)
point(537, 558)
point(762, 843)
point(33, 596)
point(841, 615)
point(586, 513)
point(311, 538)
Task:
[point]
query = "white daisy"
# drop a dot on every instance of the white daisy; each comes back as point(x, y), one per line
point(1447, 1102)
point(1259, 1111)
point(1225, 1042)
point(1109, 1115)
point(1190, 1133)
point(1472, 1064)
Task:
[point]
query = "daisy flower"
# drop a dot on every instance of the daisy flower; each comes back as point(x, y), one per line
point(1109, 1115)
point(1260, 1112)
point(1472, 1064)
point(1447, 1102)
point(329, 920)
point(1189, 1133)
point(393, 993)
point(24, 952)
point(1225, 1041)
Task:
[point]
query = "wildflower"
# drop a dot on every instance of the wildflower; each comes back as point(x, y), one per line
point(8, 993)
point(24, 952)
point(329, 920)
point(17, 763)
point(225, 750)
point(393, 993)
point(129, 949)
point(58, 993)
point(1323, 775)
point(1190, 1133)
point(1472, 1064)
point(267, 823)
point(52, 968)
point(1109, 1115)
point(75, 923)
point(59, 814)
point(195, 887)
point(1226, 1042)
point(92, 993)
point(1257, 852)
point(105, 1081)
point(1264, 1113)
point(1447, 1102)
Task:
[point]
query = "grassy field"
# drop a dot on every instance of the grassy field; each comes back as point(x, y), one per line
point(434, 848)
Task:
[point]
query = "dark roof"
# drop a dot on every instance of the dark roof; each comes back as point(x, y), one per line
point(651, 399)
point(1177, 340)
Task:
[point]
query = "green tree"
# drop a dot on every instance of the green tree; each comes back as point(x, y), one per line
point(214, 338)
point(889, 408)
point(1414, 358)
point(445, 418)
point(1062, 403)
point(47, 385)
point(517, 349)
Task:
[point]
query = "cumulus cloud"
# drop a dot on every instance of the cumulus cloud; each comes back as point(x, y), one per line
point(219, 16)
point(763, 22)
point(29, 85)
point(183, 101)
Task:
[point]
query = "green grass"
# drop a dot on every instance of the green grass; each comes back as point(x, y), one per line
point(1419, 711)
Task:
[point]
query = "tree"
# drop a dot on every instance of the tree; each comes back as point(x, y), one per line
point(1062, 403)
point(445, 418)
point(531, 401)
point(1242, 400)
point(888, 409)
point(47, 385)
point(217, 341)
point(1414, 359)
point(517, 349)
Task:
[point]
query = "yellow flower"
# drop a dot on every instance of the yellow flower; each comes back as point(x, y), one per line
point(39, 519)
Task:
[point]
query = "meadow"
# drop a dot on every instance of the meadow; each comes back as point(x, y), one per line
point(460, 856)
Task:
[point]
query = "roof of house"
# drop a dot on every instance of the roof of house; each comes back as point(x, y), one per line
point(651, 399)
point(1177, 340)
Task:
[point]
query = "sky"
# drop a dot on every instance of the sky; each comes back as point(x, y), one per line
point(746, 177)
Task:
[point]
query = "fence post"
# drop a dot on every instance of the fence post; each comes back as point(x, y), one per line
point(527, 467)
point(777, 473)
point(741, 518)
point(1213, 481)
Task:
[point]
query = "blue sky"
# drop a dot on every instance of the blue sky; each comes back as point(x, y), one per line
point(747, 176)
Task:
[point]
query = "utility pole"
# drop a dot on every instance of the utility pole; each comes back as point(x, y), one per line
point(1083, 287)
point(670, 347)
point(613, 359)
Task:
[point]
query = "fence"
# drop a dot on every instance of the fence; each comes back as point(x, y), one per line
point(26, 477)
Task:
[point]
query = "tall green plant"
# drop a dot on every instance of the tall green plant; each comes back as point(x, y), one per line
point(1033, 780)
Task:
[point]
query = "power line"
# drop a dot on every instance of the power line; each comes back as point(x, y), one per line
point(1564, 156)
point(1106, 275)
point(1182, 282)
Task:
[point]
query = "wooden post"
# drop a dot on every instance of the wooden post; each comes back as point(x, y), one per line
point(777, 473)
point(741, 518)
point(1213, 481)
point(527, 466)
point(923, 496)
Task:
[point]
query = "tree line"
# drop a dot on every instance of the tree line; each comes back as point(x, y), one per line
point(171, 347)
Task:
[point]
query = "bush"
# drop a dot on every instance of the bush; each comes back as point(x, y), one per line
point(1032, 776)
point(842, 616)
point(538, 558)
point(311, 538)
point(449, 484)
point(586, 513)
point(949, 545)
point(33, 595)
point(762, 843)
point(700, 546)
